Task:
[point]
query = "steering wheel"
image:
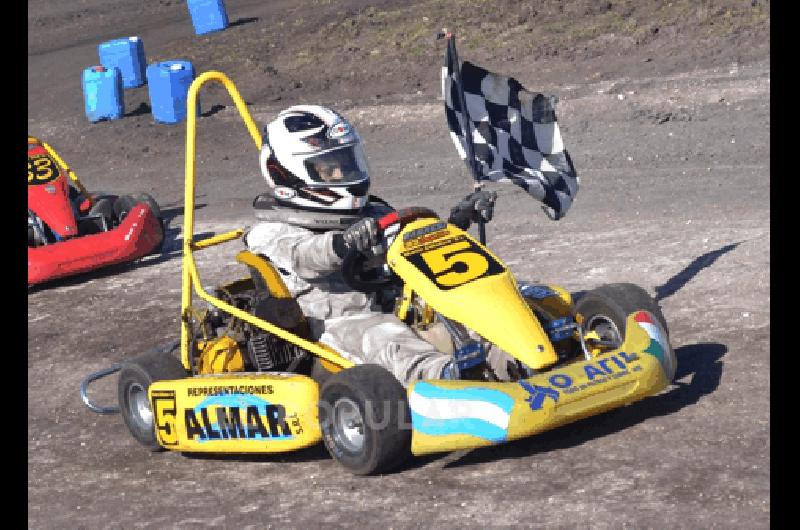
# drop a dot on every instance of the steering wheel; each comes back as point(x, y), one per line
point(365, 272)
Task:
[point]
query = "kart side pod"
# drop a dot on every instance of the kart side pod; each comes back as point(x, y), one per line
point(453, 415)
point(236, 413)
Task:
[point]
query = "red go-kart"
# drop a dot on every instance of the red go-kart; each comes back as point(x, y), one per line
point(71, 231)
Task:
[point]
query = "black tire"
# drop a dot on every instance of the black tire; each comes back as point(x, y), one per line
point(365, 392)
point(135, 378)
point(151, 202)
point(105, 207)
point(123, 205)
point(623, 299)
point(606, 309)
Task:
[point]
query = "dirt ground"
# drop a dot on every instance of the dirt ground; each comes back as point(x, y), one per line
point(665, 111)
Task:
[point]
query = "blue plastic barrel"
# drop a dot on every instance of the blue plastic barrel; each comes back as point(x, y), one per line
point(207, 15)
point(127, 55)
point(102, 93)
point(168, 83)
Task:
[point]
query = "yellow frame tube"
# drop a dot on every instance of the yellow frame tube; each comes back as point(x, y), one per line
point(216, 240)
point(190, 279)
point(71, 174)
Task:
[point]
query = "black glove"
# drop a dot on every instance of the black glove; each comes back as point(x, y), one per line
point(477, 206)
point(362, 235)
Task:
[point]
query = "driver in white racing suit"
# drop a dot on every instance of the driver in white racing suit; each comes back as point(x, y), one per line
point(317, 210)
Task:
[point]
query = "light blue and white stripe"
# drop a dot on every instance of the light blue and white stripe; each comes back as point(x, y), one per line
point(481, 412)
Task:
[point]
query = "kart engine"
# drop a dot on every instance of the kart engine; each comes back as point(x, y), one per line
point(267, 351)
point(263, 350)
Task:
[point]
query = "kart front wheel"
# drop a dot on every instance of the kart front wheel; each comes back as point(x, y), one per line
point(605, 311)
point(104, 207)
point(365, 419)
point(135, 378)
point(124, 204)
point(151, 202)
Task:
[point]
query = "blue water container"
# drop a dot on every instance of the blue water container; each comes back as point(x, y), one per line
point(207, 15)
point(102, 93)
point(168, 83)
point(127, 55)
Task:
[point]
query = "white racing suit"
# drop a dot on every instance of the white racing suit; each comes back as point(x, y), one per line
point(343, 318)
point(338, 316)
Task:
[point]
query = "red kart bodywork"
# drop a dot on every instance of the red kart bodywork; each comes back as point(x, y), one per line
point(139, 233)
point(48, 193)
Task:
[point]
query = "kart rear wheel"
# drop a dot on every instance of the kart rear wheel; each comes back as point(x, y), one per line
point(135, 378)
point(365, 419)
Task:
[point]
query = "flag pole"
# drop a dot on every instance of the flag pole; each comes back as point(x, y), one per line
point(473, 163)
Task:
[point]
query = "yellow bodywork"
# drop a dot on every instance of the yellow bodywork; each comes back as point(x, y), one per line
point(236, 413)
point(463, 280)
point(267, 272)
point(557, 305)
point(451, 415)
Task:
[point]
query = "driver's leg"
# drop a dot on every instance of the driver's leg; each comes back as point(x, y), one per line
point(384, 339)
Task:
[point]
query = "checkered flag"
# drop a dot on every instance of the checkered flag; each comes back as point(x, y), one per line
point(505, 133)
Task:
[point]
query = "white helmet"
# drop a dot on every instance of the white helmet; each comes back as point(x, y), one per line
point(314, 164)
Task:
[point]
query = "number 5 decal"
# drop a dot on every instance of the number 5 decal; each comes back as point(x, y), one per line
point(458, 262)
point(455, 264)
point(164, 412)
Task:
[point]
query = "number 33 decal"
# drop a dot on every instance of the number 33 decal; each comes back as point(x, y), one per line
point(41, 169)
point(456, 263)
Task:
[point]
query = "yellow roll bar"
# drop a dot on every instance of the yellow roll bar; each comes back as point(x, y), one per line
point(190, 279)
point(68, 170)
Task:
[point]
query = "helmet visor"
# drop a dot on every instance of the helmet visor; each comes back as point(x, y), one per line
point(340, 166)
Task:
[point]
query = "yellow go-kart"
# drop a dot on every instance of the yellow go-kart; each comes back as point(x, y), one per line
point(251, 379)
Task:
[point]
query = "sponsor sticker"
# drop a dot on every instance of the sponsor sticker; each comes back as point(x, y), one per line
point(338, 129)
point(237, 416)
point(596, 372)
point(282, 192)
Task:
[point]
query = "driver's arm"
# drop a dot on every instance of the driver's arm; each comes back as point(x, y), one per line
point(310, 255)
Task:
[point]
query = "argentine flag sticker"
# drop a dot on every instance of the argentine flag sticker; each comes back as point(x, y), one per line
point(480, 412)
